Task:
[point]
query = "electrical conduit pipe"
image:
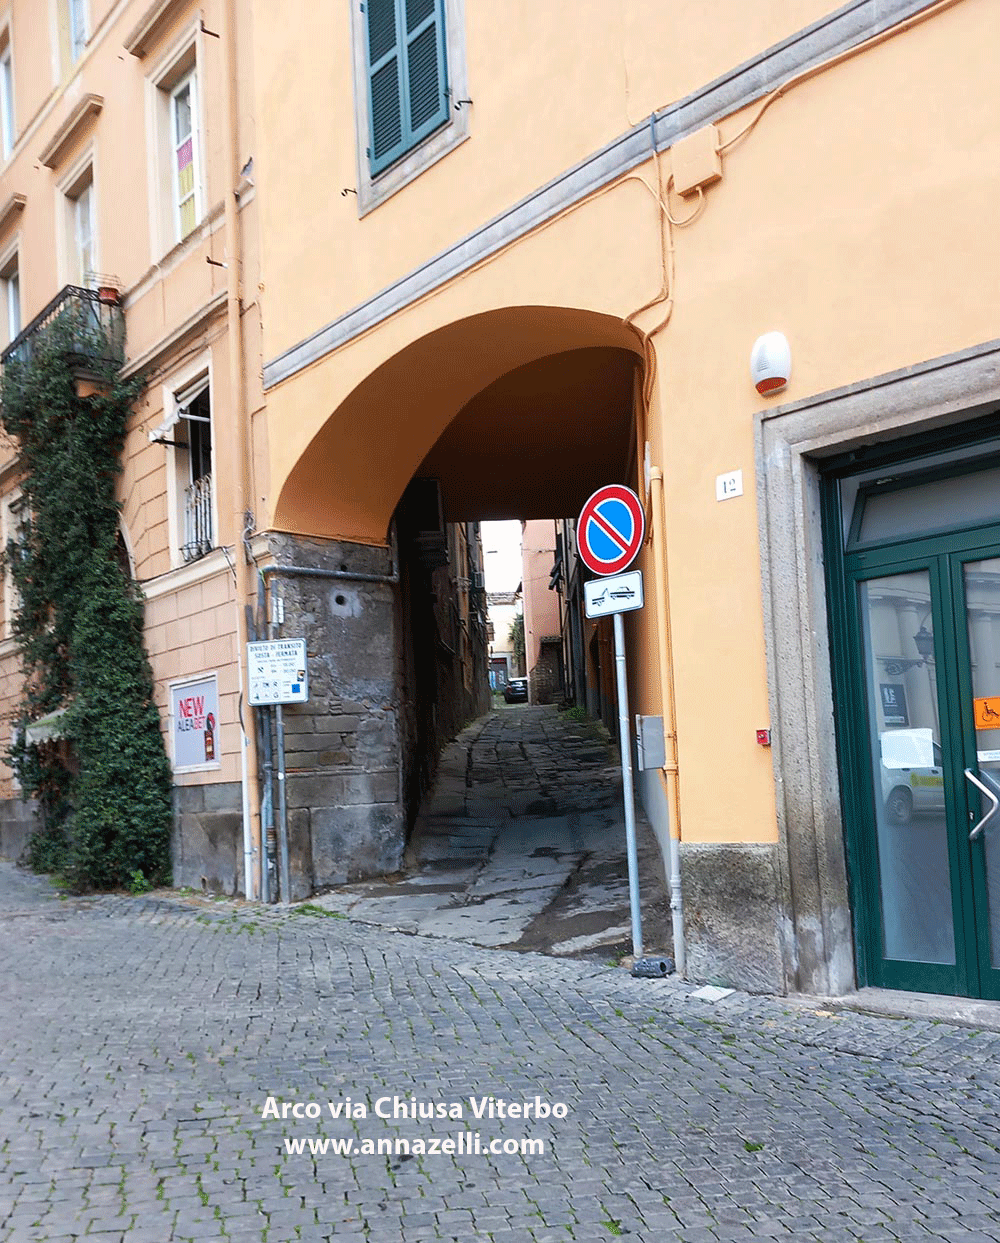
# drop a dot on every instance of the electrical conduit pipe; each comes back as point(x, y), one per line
point(238, 447)
point(670, 773)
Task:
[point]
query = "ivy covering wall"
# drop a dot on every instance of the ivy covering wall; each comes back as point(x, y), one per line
point(101, 777)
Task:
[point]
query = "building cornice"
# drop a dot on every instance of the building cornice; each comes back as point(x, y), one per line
point(149, 29)
point(169, 343)
point(209, 566)
point(848, 26)
point(57, 146)
point(13, 207)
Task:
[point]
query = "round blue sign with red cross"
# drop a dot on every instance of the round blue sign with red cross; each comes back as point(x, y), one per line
point(610, 529)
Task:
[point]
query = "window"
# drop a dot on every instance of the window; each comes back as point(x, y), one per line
point(10, 287)
point(183, 157)
point(176, 181)
point(8, 133)
point(83, 226)
point(14, 525)
point(187, 436)
point(193, 447)
point(80, 248)
point(410, 90)
point(77, 12)
point(407, 75)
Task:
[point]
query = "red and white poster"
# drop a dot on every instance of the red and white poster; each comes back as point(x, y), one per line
point(194, 723)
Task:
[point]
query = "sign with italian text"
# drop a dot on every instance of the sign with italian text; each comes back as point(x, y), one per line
point(277, 672)
point(194, 723)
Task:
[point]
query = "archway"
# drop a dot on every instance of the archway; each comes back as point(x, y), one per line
point(516, 413)
point(346, 485)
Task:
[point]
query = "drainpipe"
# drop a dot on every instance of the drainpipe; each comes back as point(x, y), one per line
point(670, 773)
point(238, 447)
point(348, 576)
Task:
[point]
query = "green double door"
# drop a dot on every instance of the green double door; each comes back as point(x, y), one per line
point(922, 653)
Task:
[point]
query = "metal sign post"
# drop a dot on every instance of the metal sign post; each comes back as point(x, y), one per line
point(628, 793)
point(609, 534)
point(279, 674)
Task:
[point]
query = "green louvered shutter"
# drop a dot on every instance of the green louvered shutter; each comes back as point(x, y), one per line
point(407, 75)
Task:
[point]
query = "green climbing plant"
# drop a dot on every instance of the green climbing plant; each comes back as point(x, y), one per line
point(515, 636)
point(101, 778)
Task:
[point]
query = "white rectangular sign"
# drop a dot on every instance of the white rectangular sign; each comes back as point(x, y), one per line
point(194, 723)
point(730, 485)
point(618, 594)
point(277, 672)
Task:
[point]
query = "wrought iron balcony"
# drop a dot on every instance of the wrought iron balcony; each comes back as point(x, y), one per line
point(198, 519)
point(93, 322)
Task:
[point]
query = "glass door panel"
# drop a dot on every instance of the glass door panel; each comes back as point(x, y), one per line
point(982, 612)
point(904, 742)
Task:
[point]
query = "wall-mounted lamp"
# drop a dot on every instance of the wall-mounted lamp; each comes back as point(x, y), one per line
point(923, 641)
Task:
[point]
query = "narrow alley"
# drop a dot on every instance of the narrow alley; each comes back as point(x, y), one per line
point(521, 844)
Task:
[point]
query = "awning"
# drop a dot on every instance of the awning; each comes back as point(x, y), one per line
point(46, 728)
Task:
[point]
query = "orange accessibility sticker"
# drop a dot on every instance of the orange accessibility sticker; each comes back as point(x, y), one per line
point(988, 712)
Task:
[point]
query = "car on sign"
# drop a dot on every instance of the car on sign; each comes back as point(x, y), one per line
point(516, 691)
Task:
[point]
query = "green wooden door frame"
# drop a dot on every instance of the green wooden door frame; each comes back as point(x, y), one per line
point(989, 974)
point(943, 556)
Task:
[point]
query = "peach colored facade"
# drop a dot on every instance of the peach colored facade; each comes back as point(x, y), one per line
point(541, 606)
point(93, 88)
point(524, 305)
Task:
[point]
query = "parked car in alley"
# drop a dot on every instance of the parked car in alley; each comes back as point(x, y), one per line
point(516, 691)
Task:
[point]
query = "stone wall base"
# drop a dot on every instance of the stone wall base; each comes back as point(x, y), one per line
point(206, 848)
point(326, 845)
point(732, 917)
point(17, 823)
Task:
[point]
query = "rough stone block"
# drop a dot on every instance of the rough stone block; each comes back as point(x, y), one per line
point(211, 852)
point(223, 796)
point(300, 854)
point(298, 721)
point(333, 759)
point(337, 724)
point(17, 825)
point(321, 790)
point(312, 742)
point(376, 740)
point(380, 787)
point(188, 799)
point(731, 916)
point(354, 843)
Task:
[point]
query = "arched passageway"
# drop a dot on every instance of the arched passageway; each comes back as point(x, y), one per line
point(550, 381)
point(519, 413)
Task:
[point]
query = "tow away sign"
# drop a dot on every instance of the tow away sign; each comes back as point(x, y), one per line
point(277, 672)
point(620, 594)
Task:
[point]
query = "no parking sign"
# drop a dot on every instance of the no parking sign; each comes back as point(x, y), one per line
point(609, 534)
point(610, 529)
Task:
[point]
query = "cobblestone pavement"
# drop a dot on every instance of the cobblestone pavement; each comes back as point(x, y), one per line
point(521, 843)
point(142, 1038)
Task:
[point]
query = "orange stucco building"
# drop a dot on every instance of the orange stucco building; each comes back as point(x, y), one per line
point(480, 261)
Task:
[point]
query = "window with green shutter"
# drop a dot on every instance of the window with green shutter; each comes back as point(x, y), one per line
point(407, 75)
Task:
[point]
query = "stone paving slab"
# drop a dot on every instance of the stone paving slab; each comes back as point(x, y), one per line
point(142, 1038)
point(526, 819)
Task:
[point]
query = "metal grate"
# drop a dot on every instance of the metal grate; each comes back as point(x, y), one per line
point(198, 519)
point(95, 322)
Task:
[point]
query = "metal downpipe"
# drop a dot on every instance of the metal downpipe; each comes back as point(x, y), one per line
point(670, 773)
